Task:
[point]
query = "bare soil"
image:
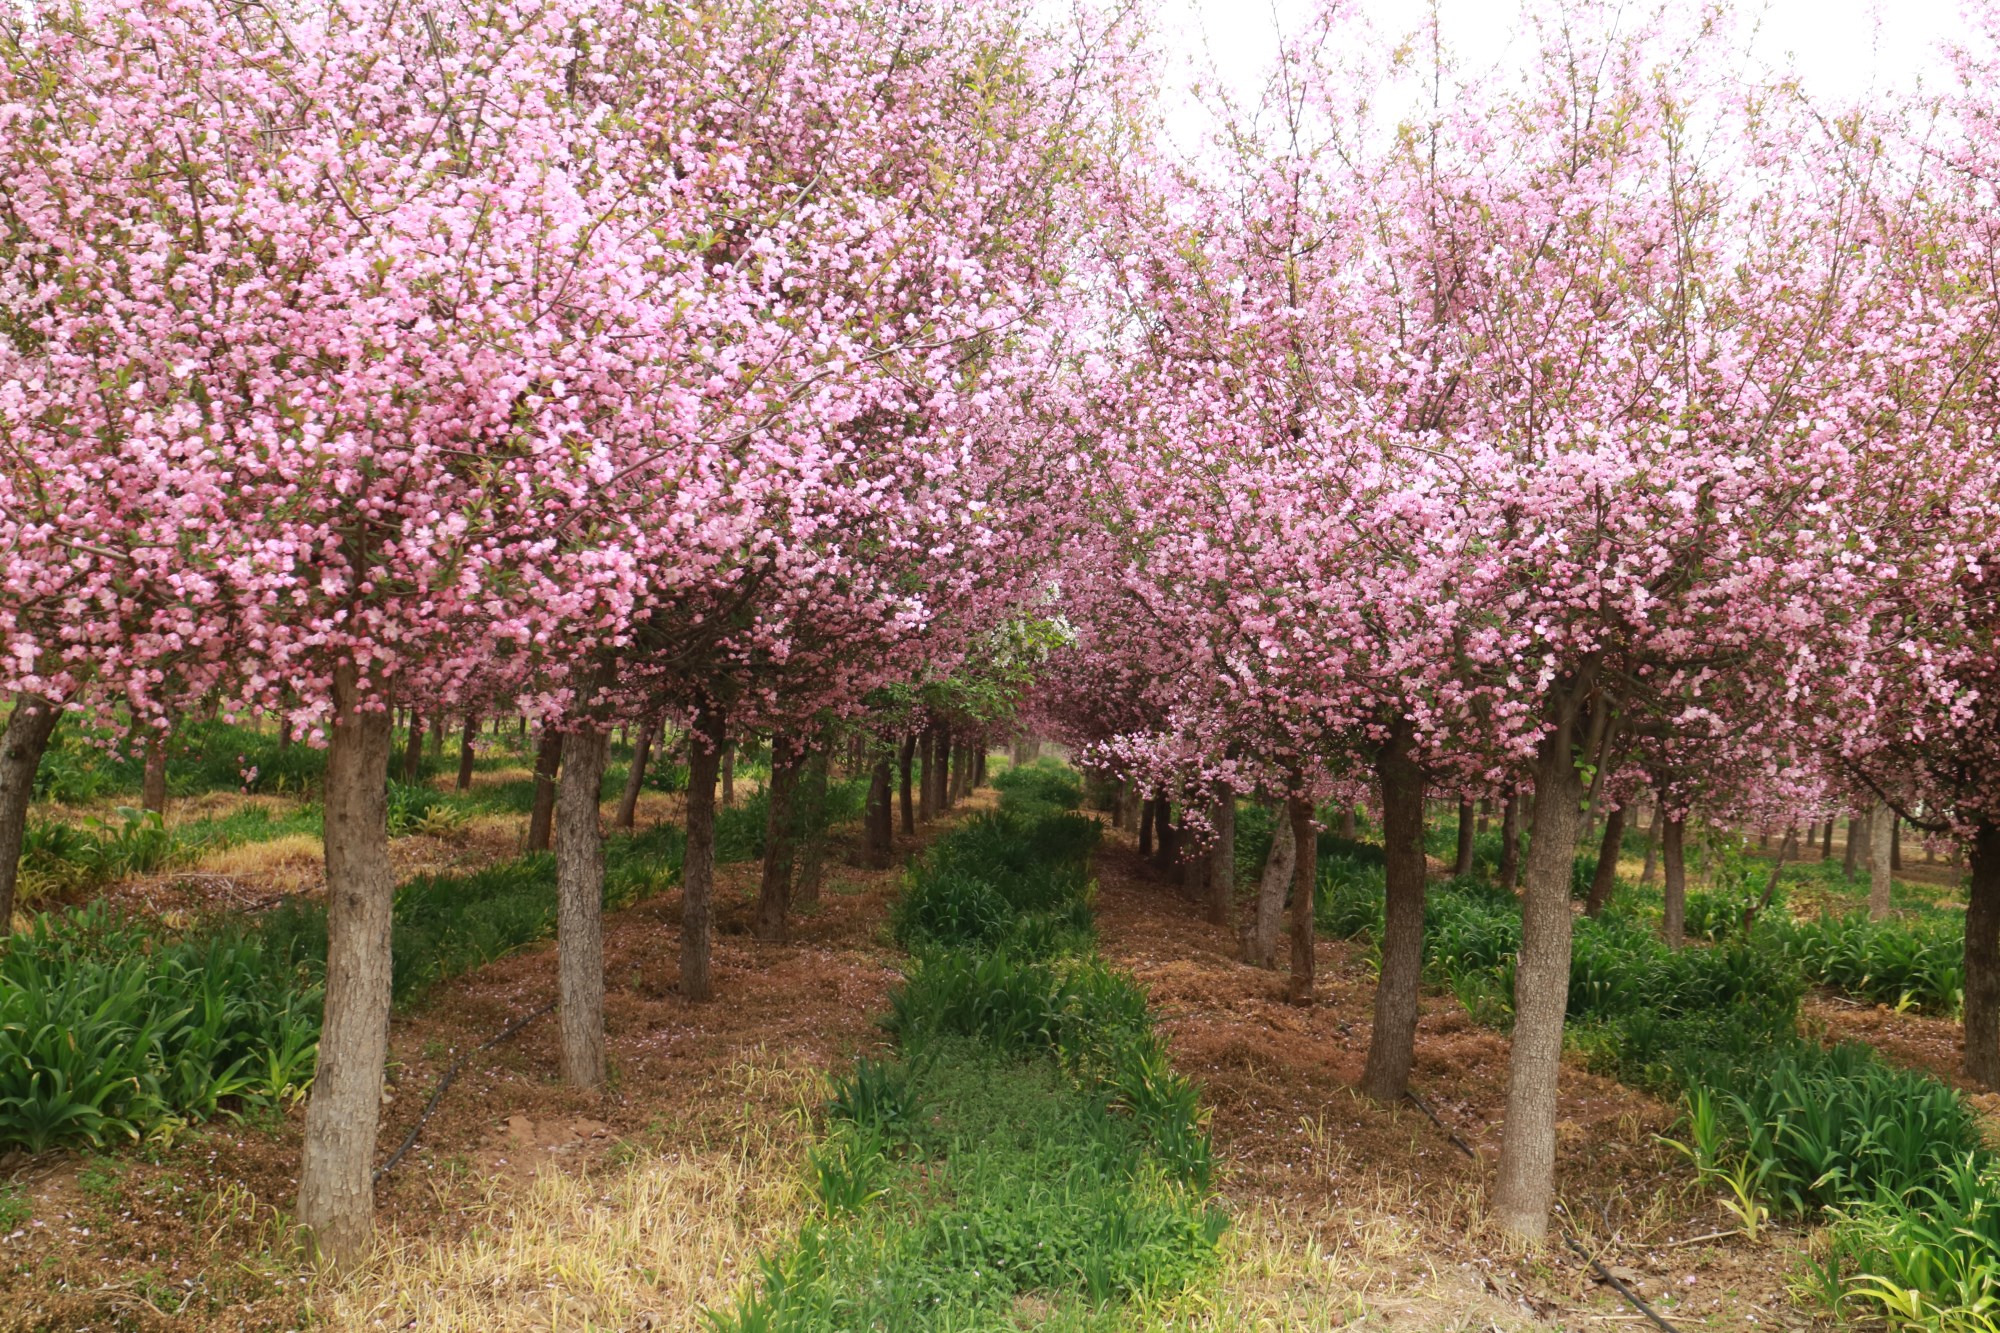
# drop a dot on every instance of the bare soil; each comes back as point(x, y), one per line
point(188, 1234)
point(1388, 1189)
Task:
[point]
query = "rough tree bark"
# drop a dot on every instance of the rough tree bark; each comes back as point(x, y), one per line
point(413, 749)
point(1461, 864)
point(1882, 822)
point(1347, 829)
point(1982, 959)
point(1826, 841)
point(542, 814)
point(1673, 911)
point(1510, 843)
point(635, 777)
point(878, 819)
point(465, 756)
point(1299, 988)
point(22, 744)
point(927, 778)
point(1857, 842)
point(580, 909)
point(1525, 1187)
point(705, 744)
point(1222, 859)
point(774, 890)
point(336, 1192)
point(1261, 922)
point(153, 781)
point(1168, 836)
point(941, 747)
point(905, 762)
point(1392, 1044)
point(1606, 876)
point(436, 742)
point(809, 801)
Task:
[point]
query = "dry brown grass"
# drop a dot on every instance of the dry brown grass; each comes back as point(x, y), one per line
point(648, 1241)
point(290, 864)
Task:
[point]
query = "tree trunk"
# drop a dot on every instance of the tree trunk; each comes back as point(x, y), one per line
point(153, 782)
point(1167, 836)
point(1857, 842)
point(927, 779)
point(809, 800)
point(1347, 830)
point(548, 764)
point(1193, 864)
point(1895, 841)
point(413, 749)
point(774, 891)
point(465, 755)
point(1826, 843)
point(1982, 959)
point(1525, 1188)
point(1261, 922)
point(437, 736)
point(905, 761)
point(1880, 835)
point(22, 744)
point(945, 774)
point(979, 766)
point(1673, 911)
point(1606, 877)
point(1654, 831)
point(1510, 842)
point(580, 909)
point(336, 1190)
point(1304, 868)
point(729, 775)
point(1222, 859)
point(1392, 1044)
point(878, 823)
point(711, 726)
point(1148, 814)
point(1461, 865)
point(635, 778)
point(1785, 850)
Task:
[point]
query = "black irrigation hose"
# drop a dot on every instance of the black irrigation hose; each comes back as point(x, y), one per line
point(1637, 1302)
point(430, 1106)
point(1443, 1128)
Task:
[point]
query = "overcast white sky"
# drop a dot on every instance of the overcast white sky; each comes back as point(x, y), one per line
point(1843, 48)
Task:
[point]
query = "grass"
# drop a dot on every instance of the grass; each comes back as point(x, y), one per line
point(1028, 1155)
point(113, 1030)
point(448, 924)
point(110, 1033)
point(1783, 1127)
point(641, 1246)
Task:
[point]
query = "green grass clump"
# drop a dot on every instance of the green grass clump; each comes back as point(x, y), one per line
point(449, 924)
point(1909, 963)
point(1044, 785)
point(1030, 1149)
point(1003, 879)
point(110, 1031)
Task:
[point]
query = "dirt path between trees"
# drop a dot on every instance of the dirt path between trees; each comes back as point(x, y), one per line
point(1348, 1211)
point(524, 1201)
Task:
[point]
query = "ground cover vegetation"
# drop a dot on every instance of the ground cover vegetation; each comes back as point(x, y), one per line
point(596, 443)
point(1028, 1140)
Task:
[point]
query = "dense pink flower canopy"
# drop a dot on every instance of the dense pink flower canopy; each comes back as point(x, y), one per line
point(767, 354)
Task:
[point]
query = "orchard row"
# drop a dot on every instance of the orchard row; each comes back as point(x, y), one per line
point(800, 368)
